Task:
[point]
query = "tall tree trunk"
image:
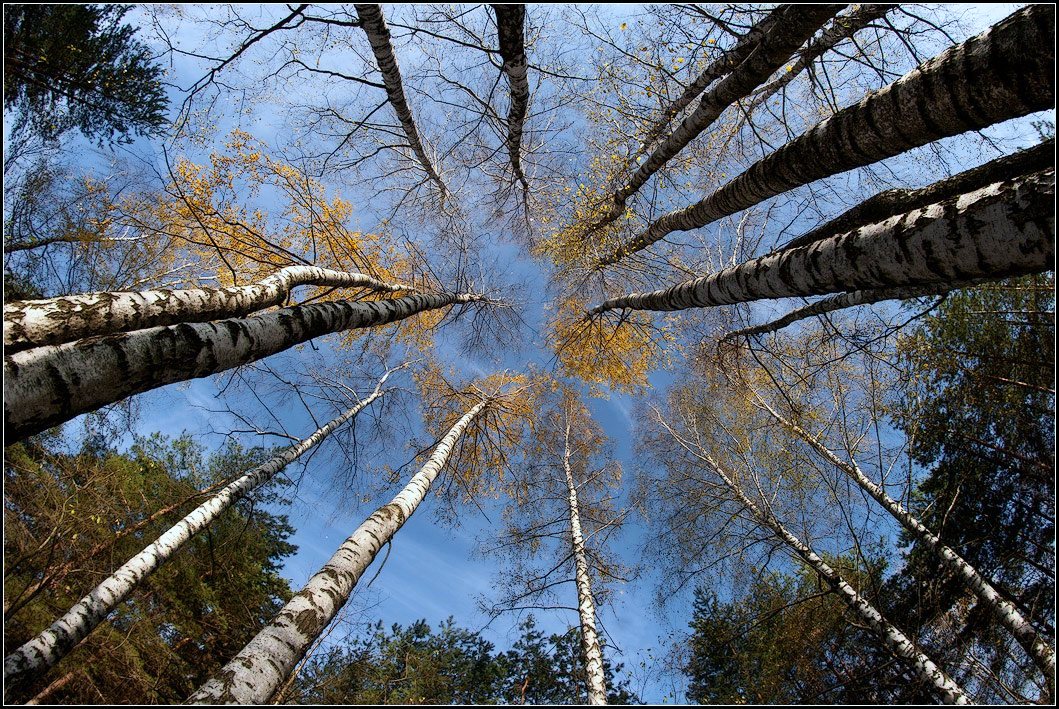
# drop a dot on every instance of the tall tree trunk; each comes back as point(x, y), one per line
point(510, 30)
point(1002, 611)
point(798, 25)
point(945, 688)
point(53, 321)
point(257, 672)
point(44, 651)
point(1003, 230)
point(725, 63)
point(985, 80)
point(586, 607)
point(843, 27)
point(45, 386)
point(374, 26)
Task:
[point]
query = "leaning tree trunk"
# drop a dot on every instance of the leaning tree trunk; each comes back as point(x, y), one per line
point(729, 60)
point(586, 607)
point(1003, 230)
point(1004, 612)
point(843, 27)
point(374, 26)
point(510, 31)
point(32, 323)
point(945, 688)
point(46, 386)
point(42, 652)
point(798, 25)
point(257, 672)
point(987, 79)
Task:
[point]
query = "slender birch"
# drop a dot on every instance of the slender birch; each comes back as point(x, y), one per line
point(586, 607)
point(53, 321)
point(798, 24)
point(257, 672)
point(46, 386)
point(510, 31)
point(46, 649)
point(925, 668)
point(725, 63)
point(1003, 611)
point(374, 25)
point(1003, 230)
point(1003, 80)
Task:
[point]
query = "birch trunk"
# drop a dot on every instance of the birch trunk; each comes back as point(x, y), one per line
point(715, 70)
point(32, 323)
point(44, 651)
point(46, 386)
point(843, 27)
point(374, 26)
point(586, 607)
point(257, 672)
point(798, 24)
point(1003, 612)
point(987, 79)
point(946, 689)
point(510, 30)
point(842, 301)
point(1003, 230)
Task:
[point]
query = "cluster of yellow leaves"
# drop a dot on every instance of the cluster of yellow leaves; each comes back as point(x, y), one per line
point(604, 352)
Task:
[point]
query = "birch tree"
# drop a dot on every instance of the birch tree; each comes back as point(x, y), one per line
point(262, 666)
point(921, 107)
point(41, 653)
point(510, 31)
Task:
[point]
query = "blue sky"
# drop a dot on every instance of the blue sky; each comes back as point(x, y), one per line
point(432, 570)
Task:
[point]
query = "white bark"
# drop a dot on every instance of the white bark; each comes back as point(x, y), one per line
point(586, 607)
point(44, 651)
point(53, 321)
point(257, 672)
point(510, 30)
point(46, 386)
point(1004, 612)
point(374, 26)
point(783, 39)
point(985, 80)
point(1003, 230)
point(948, 691)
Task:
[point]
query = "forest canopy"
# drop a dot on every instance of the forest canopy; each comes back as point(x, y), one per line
point(718, 338)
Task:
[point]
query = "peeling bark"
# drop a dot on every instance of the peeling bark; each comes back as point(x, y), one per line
point(586, 607)
point(985, 80)
point(44, 651)
point(944, 687)
point(53, 321)
point(798, 24)
point(46, 386)
point(374, 26)
point(1002, 611)
point(510, 30)
point(1003, 230)
point(260, 668)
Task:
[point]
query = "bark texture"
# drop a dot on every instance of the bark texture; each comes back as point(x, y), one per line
point(42, 652)
point(257, 672)
point(374, 26)
point(1003, 230)
point(46, 386)
point(985, 80)
point(946, 689)
point(1004, 612)
point(510, 30)
point(586, 606)
point(53, 321)
point(843, 27)
point(715, 70)
point(797, 25)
